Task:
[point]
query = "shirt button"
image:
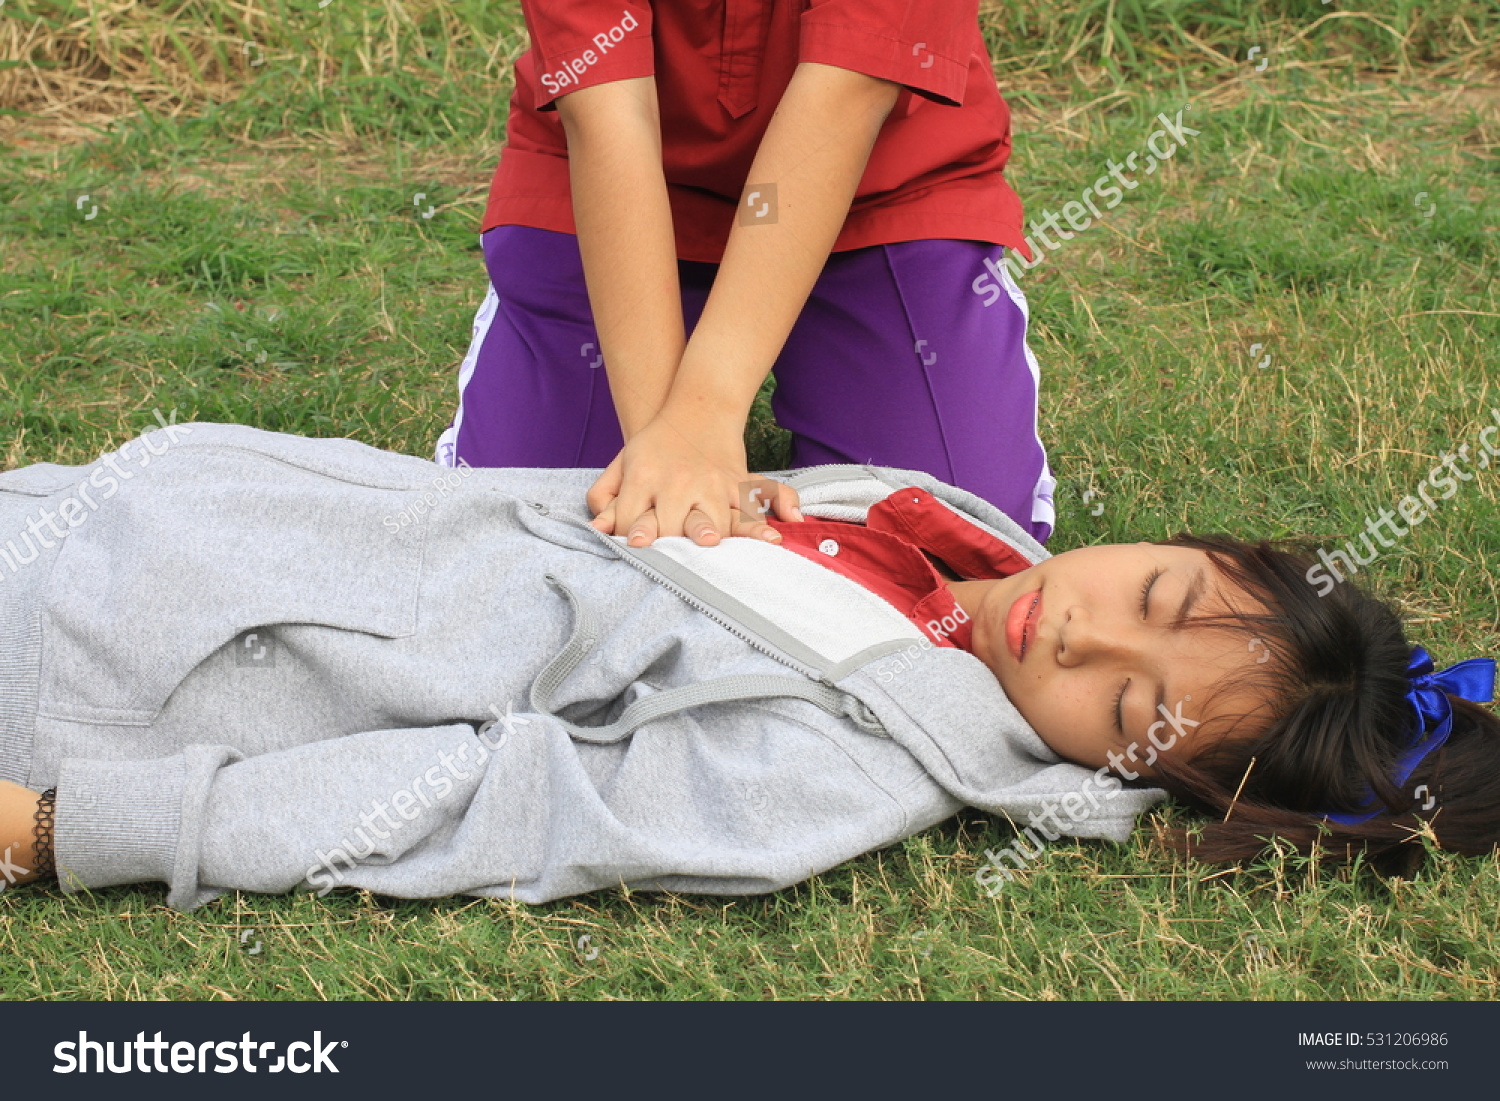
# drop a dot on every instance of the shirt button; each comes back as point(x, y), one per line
point(828, 546)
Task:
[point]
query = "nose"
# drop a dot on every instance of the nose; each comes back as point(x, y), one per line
point(1084, 636)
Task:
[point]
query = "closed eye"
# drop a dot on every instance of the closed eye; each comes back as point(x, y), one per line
point(1145, 614)
point(1146, 593)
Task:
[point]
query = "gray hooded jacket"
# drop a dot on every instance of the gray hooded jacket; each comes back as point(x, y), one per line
point(261, 662)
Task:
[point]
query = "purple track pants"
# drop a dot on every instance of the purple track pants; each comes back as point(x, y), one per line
point(898, 359)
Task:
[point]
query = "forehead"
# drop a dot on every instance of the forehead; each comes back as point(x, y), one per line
point(1122, 557)
point(1222, 673)
point(1224, 676)
point(1130, 562)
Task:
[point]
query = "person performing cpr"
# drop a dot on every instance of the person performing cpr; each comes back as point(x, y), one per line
point(693, 196)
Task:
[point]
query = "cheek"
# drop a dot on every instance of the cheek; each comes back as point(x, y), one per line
point(1075, 730)
point(1061, 714)
point(1025, 697)
point(1058, 727)
point(1040, 706)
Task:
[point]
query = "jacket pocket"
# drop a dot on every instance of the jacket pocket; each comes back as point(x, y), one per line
point(179, 565)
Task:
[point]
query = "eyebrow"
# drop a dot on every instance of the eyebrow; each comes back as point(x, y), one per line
point(1189, 599)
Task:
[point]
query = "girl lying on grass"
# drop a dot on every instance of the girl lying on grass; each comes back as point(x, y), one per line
point(238, 660)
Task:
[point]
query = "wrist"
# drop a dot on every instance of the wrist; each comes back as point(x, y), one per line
point(716, 401)
point(44, 819)
point(704, 416)
point(633, 420)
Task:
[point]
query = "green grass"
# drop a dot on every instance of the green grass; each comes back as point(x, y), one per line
point(257, 257)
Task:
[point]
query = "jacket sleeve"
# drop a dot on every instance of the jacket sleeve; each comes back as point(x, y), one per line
point(519, 810)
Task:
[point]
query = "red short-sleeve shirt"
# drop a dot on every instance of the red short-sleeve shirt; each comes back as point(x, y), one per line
point(937, 168)
point(888, 554)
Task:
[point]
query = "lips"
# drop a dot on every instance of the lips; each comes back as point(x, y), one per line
point(1020, 623)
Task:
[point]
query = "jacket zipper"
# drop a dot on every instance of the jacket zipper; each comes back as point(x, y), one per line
point(707, 609)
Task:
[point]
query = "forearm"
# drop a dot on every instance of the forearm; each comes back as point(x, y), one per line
point(626, 240)
point(814, 151)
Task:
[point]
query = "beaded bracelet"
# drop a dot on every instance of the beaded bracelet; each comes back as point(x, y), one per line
point(42, 834)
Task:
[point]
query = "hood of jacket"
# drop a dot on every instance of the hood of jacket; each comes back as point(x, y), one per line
point(942, 704)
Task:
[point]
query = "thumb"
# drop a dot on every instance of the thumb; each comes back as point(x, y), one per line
point(606, 487)
point(787, 503)
point(605, 521)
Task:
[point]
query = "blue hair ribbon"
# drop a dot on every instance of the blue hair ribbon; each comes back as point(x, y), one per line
point(1473, 680)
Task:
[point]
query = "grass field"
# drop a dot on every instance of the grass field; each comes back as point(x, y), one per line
point(210, 206)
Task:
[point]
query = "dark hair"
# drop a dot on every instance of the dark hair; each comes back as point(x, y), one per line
point(1336, 720)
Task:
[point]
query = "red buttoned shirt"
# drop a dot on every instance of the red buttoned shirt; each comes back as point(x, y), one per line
point(885, 555)
point(937, 168)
